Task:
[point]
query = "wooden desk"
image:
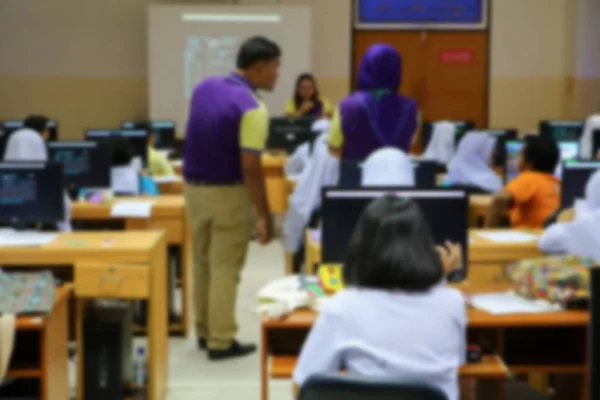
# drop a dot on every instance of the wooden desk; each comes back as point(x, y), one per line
point(124, 265)
point(41, 352)
point(174, 187)
point(281, 341)
point(168, 215)
point(487, 259)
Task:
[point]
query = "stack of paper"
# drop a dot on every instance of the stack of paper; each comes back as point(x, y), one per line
point(132, 209)
point(12, 238)
point(510, 303)
point(166, 179)
point(508, 237)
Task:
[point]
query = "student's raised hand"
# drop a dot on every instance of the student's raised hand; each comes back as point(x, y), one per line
point(306, 106)
point(451, 256)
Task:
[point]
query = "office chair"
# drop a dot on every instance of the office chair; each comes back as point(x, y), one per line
point(343, 387)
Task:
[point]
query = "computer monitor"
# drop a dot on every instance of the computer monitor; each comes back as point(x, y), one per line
point(137, 137)
point(511, 166)
point(561, 130)
point(569, 151)
point(289, 133)
point(575, 175)
point(502, 136)
point(596, 144)
point(462, 127)
point(594, 334)
point(447, 211)
point(86, 164)
point(425, 174)
point(31, 192)
point(164, 132)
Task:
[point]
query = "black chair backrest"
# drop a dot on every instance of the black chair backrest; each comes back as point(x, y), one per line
point(342, 387)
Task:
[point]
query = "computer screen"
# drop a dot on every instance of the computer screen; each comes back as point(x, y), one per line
point(289, 133)
point(569, 151)
point(137, 137)
point(596, 144)
point(502, 136)
point(511, 166)
point(425, 174)
point(445, 209)
point(86, 164)
point(31, 192)
point(164, 132)
point(561, 130)
point(575, 175)
point(462, 127)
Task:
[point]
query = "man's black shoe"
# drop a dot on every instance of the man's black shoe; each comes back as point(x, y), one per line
point(202, 343)
point(236, 350)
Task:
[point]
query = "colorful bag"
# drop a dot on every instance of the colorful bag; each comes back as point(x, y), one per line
point(26, 292)
point(558, 279)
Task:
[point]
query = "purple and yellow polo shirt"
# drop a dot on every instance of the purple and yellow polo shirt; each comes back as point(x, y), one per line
point(225, 118)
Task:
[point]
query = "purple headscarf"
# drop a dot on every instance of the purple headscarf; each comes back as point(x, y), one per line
point(376, 116)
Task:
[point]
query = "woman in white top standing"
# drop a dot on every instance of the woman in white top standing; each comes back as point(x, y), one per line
point(581, 235)
point(471, 166)
point(29, 144)
point(397, 319)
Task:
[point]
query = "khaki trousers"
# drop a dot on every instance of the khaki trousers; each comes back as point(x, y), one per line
point(221, 221)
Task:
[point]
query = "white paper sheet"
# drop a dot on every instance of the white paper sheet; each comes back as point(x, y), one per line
point(510, 303)
point(165, 153)
point(132, 209)
point(508, 237)
point(25, 238)
point(177, 163)
point(166, 179)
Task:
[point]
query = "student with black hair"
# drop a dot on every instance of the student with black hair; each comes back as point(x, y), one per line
point(226, 134)
point(307, 101)
point(29, 142)
point(535, 193)
point(158, 165)
point(396, 318)
point(125, 178)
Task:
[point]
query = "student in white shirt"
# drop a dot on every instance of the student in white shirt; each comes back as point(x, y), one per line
point(471, 166)
point(397, 319)
point(388, 166)
point(441, 145)
point(581, 235)
point(300, 158)
point(29, 144)
point(587, 138)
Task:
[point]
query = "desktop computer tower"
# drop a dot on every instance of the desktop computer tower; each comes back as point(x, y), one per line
point(107, 353)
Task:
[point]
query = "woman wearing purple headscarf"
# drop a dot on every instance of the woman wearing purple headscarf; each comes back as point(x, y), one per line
point(376, 115)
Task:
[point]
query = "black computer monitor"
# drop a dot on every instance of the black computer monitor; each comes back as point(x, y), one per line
point(594, 334)
point(447, 211)
point(596, 144)
point(425, 174)
point(462, 127)
point(289, 133)
point(561, 130)
point(31, 192)
point(86, 164)
point(511, 164)
point(137, 137)
point(164, 132)
point(575, 175)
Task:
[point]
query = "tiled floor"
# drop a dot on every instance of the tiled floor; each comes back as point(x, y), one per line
point(193, 377)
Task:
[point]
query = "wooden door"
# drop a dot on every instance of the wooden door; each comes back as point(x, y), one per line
point(445, 72)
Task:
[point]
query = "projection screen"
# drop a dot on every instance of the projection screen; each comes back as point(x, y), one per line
point(189, 43)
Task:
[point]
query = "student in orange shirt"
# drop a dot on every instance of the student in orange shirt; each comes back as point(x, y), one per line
point(535, 193)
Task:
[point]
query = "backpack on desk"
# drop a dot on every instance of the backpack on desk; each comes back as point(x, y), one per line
point(558, 279)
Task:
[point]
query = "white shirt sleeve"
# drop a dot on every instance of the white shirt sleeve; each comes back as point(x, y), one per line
point(298, 160)
point(319, 353)
point(554, 239)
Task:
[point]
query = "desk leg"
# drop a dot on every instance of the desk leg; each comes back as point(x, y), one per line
point(264, 366)
point(158, 325)
point(55, 356)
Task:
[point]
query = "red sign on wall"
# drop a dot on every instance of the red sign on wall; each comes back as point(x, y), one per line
point(457, 56)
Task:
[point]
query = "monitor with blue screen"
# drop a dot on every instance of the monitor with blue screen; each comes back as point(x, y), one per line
point(86, 164)
point(569, 150)
point(445, 209)
point(31, 192)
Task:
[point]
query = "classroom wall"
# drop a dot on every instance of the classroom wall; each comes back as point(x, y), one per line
point(84, 62)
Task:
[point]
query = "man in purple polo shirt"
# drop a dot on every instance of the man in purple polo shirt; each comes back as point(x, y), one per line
point(226, 133)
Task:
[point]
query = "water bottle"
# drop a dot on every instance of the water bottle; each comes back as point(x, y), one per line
point(139, 368)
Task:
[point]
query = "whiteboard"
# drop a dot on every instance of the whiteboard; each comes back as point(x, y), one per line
point(189, 43)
